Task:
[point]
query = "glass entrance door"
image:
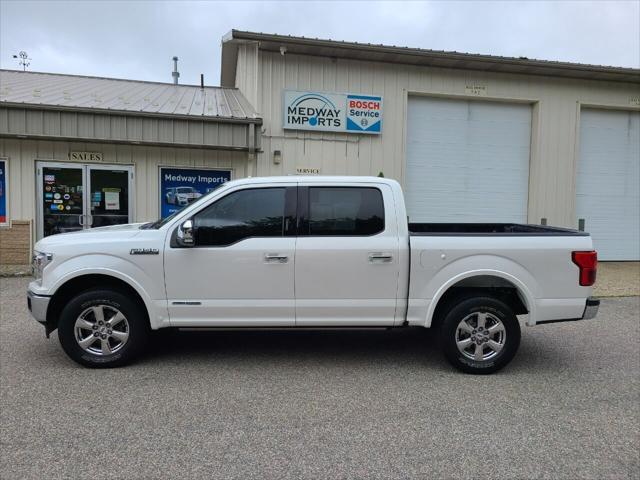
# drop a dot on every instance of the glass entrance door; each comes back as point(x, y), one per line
point(109, 195)
point(75, 196)
point(61, 199)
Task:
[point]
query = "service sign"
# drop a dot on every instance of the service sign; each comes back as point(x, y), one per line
point(180, 187)
point(332, 112)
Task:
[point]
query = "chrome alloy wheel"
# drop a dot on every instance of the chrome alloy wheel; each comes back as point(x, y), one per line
point(480, 336)
point(101, 330)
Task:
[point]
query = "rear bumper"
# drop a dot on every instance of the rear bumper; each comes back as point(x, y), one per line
point(38, 305)
point(590, 311)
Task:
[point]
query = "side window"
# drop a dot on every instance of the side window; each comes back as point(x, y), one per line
point(257, 212)
point(345, 211)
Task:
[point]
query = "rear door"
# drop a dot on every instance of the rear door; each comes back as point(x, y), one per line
point(346, 268)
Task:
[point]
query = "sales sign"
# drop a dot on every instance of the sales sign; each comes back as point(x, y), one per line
point(85, 156)
point(3, 191)
point(180, 187)
point(332, 112)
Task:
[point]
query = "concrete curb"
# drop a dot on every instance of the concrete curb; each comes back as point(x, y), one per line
point(15, 270)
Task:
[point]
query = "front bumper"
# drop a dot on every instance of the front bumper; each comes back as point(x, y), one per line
point(38, 305)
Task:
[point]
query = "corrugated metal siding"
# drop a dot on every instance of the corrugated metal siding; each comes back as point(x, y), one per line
point(555, 104)
point(71, 91)
point(22, 155)
point(247, 73)
point(121, 128)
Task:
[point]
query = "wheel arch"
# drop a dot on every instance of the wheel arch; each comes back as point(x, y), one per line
point(76, 285)
point(494, 283)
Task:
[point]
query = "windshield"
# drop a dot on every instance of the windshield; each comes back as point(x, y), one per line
point(163, 221)
point(185, 189)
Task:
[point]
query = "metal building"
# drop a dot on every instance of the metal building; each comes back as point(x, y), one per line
point(77, 152)
point(470, 137)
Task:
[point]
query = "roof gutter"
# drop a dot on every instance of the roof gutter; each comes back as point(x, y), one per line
point(416, 56)
point(68, 138)
point(130, 113)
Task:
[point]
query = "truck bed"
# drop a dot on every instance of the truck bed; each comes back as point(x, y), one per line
point(489, 229)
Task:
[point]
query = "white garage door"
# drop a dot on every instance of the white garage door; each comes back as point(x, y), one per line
point(608, 183)
point(467, 161)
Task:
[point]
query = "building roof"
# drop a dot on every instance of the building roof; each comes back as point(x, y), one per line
point(112, 95)
point(415, 56)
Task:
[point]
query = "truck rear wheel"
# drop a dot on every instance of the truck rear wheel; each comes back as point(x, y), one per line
point(480, 335)
point(102, 329)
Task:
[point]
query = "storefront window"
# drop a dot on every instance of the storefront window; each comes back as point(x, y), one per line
point(180, 187)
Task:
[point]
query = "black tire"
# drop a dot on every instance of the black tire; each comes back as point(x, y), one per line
point(137, 328)
point(466, 308)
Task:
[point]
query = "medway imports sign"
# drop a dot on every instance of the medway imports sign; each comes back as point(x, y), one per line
point(181, 186)
point(332, 112)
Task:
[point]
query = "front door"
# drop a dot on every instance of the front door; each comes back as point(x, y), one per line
point(108, 189)
point(240, 271)
point(73, 196)
point(61, 198)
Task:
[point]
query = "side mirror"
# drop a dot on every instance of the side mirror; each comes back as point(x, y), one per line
point(185, 234)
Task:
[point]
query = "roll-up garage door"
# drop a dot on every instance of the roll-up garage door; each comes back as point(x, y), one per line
point(608, 181)
point(467, 161)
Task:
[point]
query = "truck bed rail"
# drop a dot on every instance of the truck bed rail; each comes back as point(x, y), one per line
point(490, 229)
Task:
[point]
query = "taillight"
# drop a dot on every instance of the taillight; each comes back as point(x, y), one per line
point(588, 264)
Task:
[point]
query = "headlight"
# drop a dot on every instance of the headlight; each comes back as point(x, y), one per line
point(39, 261)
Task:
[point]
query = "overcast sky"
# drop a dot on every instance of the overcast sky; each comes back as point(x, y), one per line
point(136, 39)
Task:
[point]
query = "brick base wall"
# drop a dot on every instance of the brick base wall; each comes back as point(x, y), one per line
point(15, 243)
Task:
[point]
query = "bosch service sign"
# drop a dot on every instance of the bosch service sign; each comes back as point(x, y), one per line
point(364, 114)
point(332, 112)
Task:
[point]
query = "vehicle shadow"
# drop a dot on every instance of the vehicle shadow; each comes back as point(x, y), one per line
point(407, 347)
point(399, 346)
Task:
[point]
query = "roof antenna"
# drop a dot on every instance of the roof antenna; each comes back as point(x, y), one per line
point(175, 74)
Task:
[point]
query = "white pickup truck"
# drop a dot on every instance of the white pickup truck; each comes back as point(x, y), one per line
point(309, 252)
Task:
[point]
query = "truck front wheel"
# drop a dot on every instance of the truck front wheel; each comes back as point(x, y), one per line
point(480, 335)
point(102, 328)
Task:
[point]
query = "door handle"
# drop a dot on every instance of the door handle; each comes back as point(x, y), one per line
point(81, 220)
point(276, 258)
point(380, 257)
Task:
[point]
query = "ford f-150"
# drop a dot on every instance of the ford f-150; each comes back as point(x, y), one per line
point(309, 252)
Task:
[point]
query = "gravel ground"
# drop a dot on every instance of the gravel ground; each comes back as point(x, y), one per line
point(618, 279)
point(331, 404)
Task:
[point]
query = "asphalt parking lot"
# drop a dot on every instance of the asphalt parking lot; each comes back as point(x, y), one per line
point(331, 404)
